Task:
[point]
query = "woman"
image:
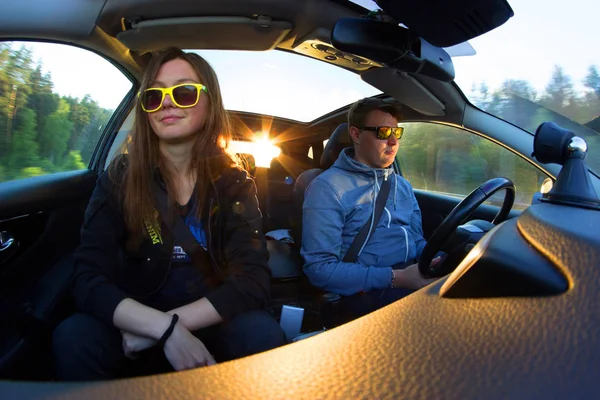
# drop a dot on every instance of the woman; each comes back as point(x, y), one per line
point(143, 285)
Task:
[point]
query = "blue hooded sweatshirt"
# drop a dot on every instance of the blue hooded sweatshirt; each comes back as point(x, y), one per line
point(336, 206)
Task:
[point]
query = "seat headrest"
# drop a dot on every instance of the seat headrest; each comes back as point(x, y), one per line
point(339, 140)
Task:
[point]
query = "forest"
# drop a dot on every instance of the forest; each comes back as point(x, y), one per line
point(450, 160)
point(518, 102)
point(42, 132)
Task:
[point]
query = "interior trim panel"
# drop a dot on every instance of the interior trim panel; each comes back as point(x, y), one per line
point(24, 196)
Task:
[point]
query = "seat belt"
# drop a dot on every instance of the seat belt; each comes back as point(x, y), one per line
point(180, 231)
point(264, 197)
point(361, 237)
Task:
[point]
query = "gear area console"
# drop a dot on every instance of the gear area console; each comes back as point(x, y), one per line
point(550, 245)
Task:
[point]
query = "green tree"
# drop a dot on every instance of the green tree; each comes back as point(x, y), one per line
point(30, 172)
point(54, 136)
point(73, 162)
point(5, 88)
point(590, 109)
point(40, 131)
point(486, 100)
point(516, 99)
point(592, 80)
point(519, 88)
point(80, 117)
point(93, 132)
point(41, 99)
point(560, 94)
point(24, 150)
point(16, 71)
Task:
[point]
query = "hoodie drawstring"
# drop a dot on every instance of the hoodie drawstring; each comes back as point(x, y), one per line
point(389, 216)
point(375, 193)
point(395, 191)
point(386, 174)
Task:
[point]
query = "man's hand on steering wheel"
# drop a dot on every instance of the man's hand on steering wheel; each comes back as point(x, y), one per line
point(458, 215)
point(411, 278)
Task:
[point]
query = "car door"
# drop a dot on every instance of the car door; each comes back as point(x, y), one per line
point(58, 103)
point(445, 163)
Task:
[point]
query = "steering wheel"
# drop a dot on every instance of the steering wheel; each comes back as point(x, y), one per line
point(457, 216)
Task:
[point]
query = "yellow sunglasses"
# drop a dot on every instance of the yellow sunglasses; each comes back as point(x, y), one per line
point(185, 95)
point(384, 132)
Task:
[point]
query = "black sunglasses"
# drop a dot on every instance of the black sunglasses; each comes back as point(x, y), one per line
point(384, 132)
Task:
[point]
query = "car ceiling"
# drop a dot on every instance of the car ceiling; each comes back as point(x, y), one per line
point(96, 23)
point(216, 24)
point(305, 16)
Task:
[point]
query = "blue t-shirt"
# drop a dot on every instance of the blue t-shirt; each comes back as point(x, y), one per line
point(185, 282)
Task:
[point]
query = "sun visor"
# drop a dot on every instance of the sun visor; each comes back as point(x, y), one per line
point(217, 33)
point(460, 50)
point(405, 89)
point(69, 20)
point(446, 23)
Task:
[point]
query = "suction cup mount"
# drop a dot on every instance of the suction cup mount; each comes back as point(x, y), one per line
point(573, 186)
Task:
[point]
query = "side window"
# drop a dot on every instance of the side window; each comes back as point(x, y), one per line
point(310, 150)
point(449, 160)
point(55, 101)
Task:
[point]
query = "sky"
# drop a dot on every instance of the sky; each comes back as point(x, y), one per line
point(542, 34)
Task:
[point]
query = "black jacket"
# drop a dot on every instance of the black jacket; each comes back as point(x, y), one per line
point(106, 273)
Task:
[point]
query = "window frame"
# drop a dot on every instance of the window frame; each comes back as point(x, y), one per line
point(117, 118)
point(482, 136)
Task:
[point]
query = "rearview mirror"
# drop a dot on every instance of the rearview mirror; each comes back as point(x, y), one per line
point(393, 45)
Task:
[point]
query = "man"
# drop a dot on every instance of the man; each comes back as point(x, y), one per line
point(342, 199)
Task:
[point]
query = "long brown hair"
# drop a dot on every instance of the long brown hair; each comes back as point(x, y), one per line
point(144, 157)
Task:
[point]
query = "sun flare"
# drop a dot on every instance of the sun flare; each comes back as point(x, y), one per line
point(261, 148)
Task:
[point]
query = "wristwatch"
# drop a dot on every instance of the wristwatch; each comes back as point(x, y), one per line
point(393, 278)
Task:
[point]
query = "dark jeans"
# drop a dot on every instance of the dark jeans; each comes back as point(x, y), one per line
point(358, 305)
point(87, 349)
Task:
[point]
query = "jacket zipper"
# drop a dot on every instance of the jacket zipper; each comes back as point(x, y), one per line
point(209, 225)
point(163, 281)
point(216, 265)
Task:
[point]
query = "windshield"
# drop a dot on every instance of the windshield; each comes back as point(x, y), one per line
point(284, 84)
point(541, 65)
